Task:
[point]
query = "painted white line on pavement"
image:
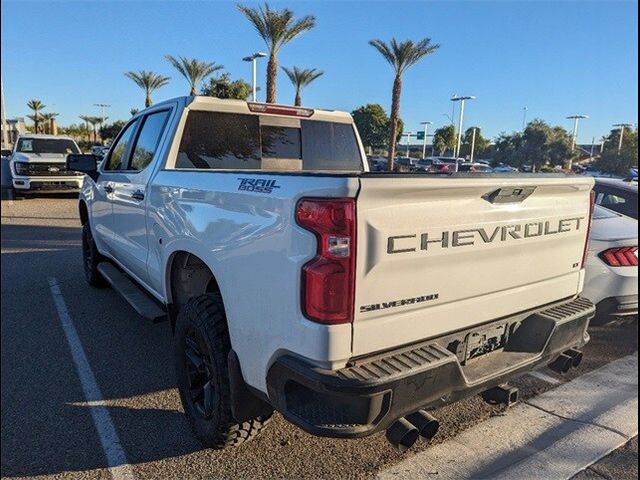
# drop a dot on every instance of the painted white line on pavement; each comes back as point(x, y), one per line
point(552, 436)
point(116, 458)
point(545, 378)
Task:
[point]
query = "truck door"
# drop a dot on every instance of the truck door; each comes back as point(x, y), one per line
point(130, 245)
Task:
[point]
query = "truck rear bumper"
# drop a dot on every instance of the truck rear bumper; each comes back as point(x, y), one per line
point(371, 393)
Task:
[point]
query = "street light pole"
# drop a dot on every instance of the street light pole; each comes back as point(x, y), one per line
point(524, 118)
point(622, 127)
point(460, 99)
point(252, 59)
point(574, 137)
point(5, 124)
point(424, 141)
point(473, 142)
point(102, 107)
point(408, 140)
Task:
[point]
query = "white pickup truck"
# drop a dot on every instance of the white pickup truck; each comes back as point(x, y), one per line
point(37, 165)
point(295, 280)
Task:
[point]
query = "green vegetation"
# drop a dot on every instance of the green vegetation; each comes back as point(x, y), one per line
point(276, 28)
point(193, 70)
point(149, 82)
point(36, 106)
point(373, 125)
point(444, 139)
point(539, 145)
point(616, 162)
point(223, 87)
point(300, 78)
point(110, 131)
point(481, 143)
point(400, 56)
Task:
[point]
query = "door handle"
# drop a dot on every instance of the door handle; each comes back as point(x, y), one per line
point(108, 188)
point(138, 195)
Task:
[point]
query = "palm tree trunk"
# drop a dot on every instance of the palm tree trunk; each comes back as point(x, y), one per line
point(272, 73)
point(395, 116)
point(193, 92)
point(298, 99)
point(147, 100)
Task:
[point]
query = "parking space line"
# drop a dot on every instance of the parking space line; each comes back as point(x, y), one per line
point(116, 458)
point(545, 378)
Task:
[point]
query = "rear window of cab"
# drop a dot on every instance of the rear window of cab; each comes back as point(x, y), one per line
point(231, 141)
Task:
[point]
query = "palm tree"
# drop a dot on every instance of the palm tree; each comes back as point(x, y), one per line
point(401, 56)
point(133, 111)
point(36, 106)
point(277, 28)
point(148, 81)
point(95, 121)
point(48, 119)
point(301, 77)
point(193, 70)
point(85, 119)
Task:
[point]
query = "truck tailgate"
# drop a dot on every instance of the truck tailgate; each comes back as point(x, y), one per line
point(439, 254)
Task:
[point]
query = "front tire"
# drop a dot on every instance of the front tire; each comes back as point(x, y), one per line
point(201, 348)
point(91, 258)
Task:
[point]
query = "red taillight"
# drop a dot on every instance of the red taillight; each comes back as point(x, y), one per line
point(620, 257)
point(279, 109)
point(592, 202)
point(328, 279)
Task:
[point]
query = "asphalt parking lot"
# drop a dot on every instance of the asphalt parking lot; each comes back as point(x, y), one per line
point(47, 425)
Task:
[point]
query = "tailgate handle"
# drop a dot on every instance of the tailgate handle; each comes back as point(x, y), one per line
point(509, 194)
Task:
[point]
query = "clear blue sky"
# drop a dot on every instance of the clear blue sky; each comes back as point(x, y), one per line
point(556, 58)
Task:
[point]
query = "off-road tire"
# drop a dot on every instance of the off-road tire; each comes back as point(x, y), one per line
point(91, 258)
point(203, 317)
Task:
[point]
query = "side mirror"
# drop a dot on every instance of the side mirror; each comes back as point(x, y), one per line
point(85, 163)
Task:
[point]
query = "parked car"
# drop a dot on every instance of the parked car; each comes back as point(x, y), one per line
point(503, 168)
point(474, 167)
point(446, 164)
point(37, 164)
point(618, 195)
point(295, 281)
point(424, 164)
point(407, 164)
point(378, 164)
point(611, 280)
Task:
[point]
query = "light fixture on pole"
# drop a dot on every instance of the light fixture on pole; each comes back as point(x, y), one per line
point(622, 126)
point(102, 107)
point(460, 99)
point(252, 59)
point(424, 140)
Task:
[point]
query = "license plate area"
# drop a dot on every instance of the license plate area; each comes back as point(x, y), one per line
point(481, 342)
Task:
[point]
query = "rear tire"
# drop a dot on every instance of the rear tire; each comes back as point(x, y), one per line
point(91, 258)
point(201, 348)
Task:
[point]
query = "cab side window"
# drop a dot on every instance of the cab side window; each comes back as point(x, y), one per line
point(117, 160)
point(148, 139)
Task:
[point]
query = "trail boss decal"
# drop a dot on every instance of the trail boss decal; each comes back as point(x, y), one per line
point(475, 236)
point(398, 303)
point(257, 185)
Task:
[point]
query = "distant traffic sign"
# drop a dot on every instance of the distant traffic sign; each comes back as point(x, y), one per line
point(419, 135)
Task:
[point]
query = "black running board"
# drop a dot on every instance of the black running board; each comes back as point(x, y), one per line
point(140, 300)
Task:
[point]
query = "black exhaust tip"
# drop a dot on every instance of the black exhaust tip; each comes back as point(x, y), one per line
point(402, 435)
point(562, 364)
point(426, 424)
point(576, 356)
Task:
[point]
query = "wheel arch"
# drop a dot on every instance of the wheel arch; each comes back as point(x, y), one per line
point(83, 212)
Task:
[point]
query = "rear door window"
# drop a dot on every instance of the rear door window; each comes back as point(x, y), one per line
point(213, 140)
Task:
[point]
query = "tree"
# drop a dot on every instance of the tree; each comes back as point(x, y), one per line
point(401, 56)
point(149, 82)
point(481, 143)
point(37, 106)
point(444, 139)
point(373, 125)
point(277, 28)
point(300, 78)
point(539, 145)
point(95, 121)
point(133, 111)
point(85, 119)
point(619, 163)
point(193, 70)
point(223, 87)
point(110, 131)
point(47, 120)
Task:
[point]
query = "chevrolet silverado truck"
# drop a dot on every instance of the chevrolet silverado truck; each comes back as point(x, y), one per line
point(37, 165)
point(296, 280)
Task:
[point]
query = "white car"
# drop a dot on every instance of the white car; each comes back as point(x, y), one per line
point(611, 280)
